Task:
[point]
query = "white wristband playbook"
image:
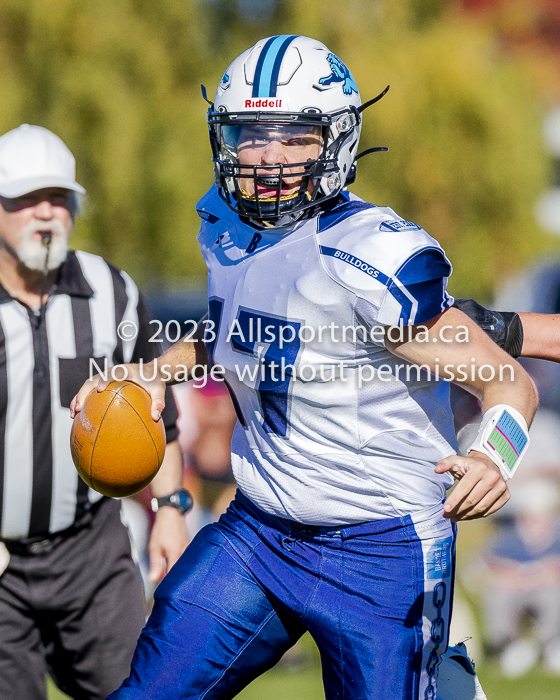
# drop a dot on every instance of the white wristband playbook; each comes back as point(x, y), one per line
point(503, 435)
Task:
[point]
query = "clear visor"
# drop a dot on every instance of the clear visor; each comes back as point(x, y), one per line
point(236, 139)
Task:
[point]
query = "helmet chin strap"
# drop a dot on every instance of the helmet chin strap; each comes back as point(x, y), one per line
point(367, 104)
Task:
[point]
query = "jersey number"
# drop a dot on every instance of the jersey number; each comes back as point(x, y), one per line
point(276, 342)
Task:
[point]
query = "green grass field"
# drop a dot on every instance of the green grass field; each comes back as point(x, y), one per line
point(306, 685)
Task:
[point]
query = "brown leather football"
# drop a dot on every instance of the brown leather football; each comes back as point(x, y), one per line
point(116, 446)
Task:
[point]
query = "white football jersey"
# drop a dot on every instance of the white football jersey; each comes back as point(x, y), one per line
point(333, 429)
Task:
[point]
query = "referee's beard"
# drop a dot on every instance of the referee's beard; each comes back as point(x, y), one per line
point(32, 253)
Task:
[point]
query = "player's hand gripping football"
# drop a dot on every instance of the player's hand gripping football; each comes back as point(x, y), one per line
point(480, 491)
point(155, 387)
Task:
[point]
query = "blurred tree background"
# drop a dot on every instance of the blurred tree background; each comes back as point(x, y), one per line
point(119, 81)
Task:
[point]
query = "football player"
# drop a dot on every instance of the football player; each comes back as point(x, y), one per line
point(331, 321)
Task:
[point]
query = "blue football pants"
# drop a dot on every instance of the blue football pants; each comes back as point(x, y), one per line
point(376, 598)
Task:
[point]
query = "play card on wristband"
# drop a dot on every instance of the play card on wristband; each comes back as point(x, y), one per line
point(503, 435)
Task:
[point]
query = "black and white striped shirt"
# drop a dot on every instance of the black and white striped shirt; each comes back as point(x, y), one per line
point(43, 363)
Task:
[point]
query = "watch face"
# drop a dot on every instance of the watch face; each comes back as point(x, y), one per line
point(182, 500)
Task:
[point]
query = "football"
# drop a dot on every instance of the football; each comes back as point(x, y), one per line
point(116, 446)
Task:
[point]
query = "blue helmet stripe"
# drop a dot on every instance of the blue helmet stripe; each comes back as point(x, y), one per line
point(278, 63)
point(265, 81)
point(260, 62)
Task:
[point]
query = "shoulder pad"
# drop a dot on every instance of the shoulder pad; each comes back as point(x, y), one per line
point(386, 260)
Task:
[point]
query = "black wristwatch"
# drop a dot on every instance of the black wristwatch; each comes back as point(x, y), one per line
point(180, 499)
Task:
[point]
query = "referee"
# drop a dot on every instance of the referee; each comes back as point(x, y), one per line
point(71, 598)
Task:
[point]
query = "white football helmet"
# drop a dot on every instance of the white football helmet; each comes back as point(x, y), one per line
point(286, 87)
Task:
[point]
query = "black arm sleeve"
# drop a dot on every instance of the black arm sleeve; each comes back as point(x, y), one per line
point(503, 327)
point(148, 351)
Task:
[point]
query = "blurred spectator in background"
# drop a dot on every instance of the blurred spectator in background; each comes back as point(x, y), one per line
point(537, 290)
point(521, 597)
point(206, 422)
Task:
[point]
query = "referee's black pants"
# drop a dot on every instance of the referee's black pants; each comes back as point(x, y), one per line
point(75, 611)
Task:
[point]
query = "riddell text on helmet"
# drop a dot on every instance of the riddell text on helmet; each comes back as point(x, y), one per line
point(263, 103)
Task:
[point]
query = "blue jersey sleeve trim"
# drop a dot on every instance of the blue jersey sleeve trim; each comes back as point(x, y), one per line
point(426, 264)
point(431, 297)
point(423, 275)
point(342, 211)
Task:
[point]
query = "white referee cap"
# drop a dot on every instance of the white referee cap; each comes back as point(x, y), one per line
point(32, 158)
